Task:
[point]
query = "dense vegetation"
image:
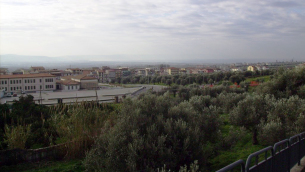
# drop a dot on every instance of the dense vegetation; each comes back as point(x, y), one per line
point(184, 128)
point(204, 78)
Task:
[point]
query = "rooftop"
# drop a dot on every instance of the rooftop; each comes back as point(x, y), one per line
point(68, 82)
point(26, 76)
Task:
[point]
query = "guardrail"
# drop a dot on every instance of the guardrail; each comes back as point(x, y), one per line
point(282, 157)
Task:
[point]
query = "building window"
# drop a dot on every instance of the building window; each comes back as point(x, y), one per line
point(16, 82)
point(68, 87)
point(24, 81)
point(25, 88)
point(34, 87)
point(40, 87)
point(5, 88)
point(5, 82)
point(11, 88)
point(20, 81)
point(40, 80)
point(11, 81)
point(34, 80)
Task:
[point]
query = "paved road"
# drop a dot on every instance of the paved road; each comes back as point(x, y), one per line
point(148, 87)
point(85, 95)
point(77, 95)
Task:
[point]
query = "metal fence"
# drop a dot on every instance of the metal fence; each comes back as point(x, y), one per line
point(279, 158)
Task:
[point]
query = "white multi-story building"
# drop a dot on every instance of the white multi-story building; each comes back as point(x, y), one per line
point(28, 82)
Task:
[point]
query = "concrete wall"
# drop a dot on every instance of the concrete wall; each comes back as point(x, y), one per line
point(14, 156)
point(88, 84)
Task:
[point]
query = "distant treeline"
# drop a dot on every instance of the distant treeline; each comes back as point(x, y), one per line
point(205, 78)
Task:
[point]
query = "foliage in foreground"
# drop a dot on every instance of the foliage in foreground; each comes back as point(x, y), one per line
point(79, 125)
point(153, 132)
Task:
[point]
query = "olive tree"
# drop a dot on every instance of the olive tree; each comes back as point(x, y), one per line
point(152, 132)
point(249, 112)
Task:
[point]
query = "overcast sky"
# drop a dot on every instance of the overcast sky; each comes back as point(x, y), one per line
point(158, 29)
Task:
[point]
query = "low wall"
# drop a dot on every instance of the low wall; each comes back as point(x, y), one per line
point(14, 156)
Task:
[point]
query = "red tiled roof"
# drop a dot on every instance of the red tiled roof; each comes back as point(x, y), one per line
point(87, 78)
point(80, 77)
point(26, 76)
point(66, 77)
point(68, 82)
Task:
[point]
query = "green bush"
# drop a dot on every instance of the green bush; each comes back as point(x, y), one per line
point(153, 132)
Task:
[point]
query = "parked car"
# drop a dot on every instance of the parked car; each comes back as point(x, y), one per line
point(8, 95)
point(15, 95)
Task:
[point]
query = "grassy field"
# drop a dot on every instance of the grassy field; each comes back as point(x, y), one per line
point(241, 150)
point(265, 78)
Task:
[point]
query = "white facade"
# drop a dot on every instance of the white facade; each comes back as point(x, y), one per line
point(28, 83)
point(2, 93)
point(70, 87)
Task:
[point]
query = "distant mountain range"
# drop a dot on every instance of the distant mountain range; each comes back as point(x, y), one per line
point(83, 61)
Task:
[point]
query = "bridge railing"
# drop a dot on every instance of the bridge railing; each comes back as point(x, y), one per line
point(280, 158)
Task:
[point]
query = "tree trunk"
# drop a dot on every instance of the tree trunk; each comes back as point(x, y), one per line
point(254, 137)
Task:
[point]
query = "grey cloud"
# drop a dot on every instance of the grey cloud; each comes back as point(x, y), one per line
point(285, 4)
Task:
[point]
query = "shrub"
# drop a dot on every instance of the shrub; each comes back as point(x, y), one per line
point(78, 125)
point(16, 136)
point(271, 132)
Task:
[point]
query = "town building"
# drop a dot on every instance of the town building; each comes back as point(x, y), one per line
point(141, 72)
point(18, 72)
point(251, 68)
point(84, 82)
point(37, 68)
point(4, 71)
point(173, 71)
point(110, 75)
point(67, 85)
point(28, 82)
point(235, 69)
point(75, 71)
point(149, 72)
point(208, 70)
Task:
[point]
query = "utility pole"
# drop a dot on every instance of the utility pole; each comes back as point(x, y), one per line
point(40, 99)
point(96, 95)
